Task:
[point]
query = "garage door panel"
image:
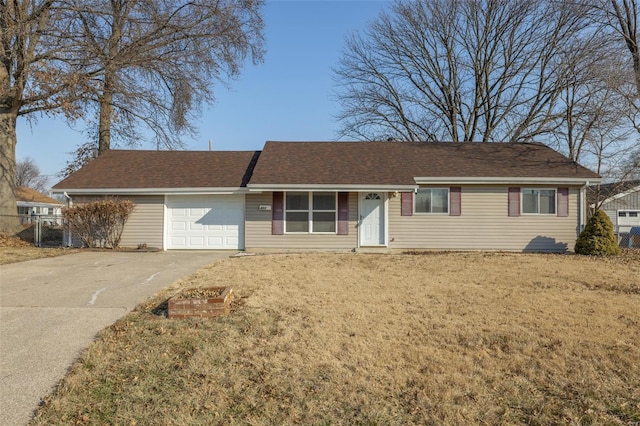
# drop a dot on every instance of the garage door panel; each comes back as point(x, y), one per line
point(215, 241)
point(195, 226)
point(197, 242)
point(178, 241)
point(177, 212)
point(205, 222)
point(178, 225)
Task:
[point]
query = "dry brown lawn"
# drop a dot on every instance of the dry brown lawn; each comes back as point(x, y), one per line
point(13, 250)
point(453, 338)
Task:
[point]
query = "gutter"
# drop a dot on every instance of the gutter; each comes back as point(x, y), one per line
point(504, 180)
point(154, 191)
point(329, 187)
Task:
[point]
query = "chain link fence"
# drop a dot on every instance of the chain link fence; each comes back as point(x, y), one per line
point(629, 238)
point(41, 230)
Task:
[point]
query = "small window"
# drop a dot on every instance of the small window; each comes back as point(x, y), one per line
point(538, 201)
point(297, 208)
point(622, 214)
point(432, 200)
point(633, 214)
point(324, 212)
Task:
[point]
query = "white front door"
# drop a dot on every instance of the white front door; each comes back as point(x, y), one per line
point(372, 223)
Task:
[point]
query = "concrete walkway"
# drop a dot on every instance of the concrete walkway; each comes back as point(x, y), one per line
point(51, 309)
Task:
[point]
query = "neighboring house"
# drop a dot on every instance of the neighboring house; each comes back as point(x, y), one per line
point(33, 203)
point(621, 202)
point(345, 195)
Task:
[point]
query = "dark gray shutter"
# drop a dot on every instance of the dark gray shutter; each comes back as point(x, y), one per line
point(455, 202)
point(406, 206)
point(514, 201)
point(563, 202)
point(277, 214)
point(343, 213)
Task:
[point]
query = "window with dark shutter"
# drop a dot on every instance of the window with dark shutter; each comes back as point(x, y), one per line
point(277, 214)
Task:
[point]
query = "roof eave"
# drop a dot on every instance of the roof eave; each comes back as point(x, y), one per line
point(37, 204)
point(506, 180)
point(151, 191)
point(328, 187)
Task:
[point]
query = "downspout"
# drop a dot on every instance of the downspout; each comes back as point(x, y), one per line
point(583, 206)
point(69, 204)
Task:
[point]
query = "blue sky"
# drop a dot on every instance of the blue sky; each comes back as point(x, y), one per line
point(288, 97)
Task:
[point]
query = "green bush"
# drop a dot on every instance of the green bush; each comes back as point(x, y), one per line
point(597, 238)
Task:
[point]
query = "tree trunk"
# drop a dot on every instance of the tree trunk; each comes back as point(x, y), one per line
point(106, 112)
point(9, 222)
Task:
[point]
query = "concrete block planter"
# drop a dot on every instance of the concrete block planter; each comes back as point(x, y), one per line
point(201, 303)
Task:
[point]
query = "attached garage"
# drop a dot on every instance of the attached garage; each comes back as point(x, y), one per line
point(205, 222)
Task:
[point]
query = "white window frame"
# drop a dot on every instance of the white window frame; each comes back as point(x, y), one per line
point(555, 201)
point(310, 211)
point(431, 213)
point(627, 213)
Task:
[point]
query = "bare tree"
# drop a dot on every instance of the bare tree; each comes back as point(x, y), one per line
point(154, 62)
point(34, 77)
point(591, 111)
point(134, 61)
point(83, 154)
point(466, 70)
point(619, 20)
point(28, 174)
point(623, 16)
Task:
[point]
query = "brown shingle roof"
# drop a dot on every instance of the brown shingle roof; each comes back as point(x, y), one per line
point(29, 195)
point(322, 163)
point(397, 163)
point(120, 169)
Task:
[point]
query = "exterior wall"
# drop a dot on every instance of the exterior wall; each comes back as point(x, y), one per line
point(145, 225)
point(484, 225)
point(258, 229)
point(628, 202)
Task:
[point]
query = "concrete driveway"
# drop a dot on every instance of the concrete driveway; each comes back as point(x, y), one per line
point(51, 309)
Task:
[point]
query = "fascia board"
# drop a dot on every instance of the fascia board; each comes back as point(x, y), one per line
point(37, 204)
point(328, 187)
point(506, 180)
point(151, 191)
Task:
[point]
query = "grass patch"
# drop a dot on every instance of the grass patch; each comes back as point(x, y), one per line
point(13, 249)
point(13, 255)
point(453, 338)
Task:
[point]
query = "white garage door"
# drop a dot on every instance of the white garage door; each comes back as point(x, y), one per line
point(205, 222)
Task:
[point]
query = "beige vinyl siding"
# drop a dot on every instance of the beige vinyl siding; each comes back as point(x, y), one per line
point(145, 225)
point(258, 229)
point(484, 225)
